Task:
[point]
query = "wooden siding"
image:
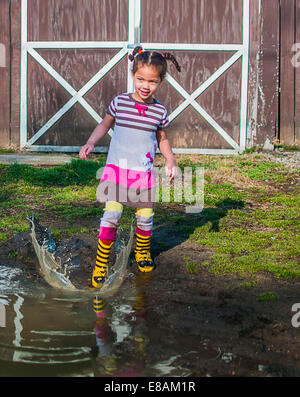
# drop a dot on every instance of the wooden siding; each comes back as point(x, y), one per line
point(290, 72)
point(263, 73)
point(297, 76)
point(5, 74)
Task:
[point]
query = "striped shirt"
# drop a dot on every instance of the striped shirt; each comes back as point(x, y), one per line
point(130, 159)
point(136, 115)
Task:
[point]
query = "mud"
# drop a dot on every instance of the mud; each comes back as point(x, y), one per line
point(239, 335)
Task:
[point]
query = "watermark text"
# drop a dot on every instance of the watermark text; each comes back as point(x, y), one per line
point(122, 184)
point(296, 58)
point(2, 56)
point(296, 317)
point(2, 315)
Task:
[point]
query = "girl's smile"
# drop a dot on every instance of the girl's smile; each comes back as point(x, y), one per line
point(146, 82)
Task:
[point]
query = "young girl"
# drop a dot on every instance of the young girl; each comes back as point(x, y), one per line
point(128, 177)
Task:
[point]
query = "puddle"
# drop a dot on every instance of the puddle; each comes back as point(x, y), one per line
point(57, 333)
point(49, 332)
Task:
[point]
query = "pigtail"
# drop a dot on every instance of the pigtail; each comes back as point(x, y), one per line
point(170, 57)
point(137, 50)
point(154, 58)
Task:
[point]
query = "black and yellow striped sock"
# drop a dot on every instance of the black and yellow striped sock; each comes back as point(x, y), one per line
point(99, 305)
point(142, 243)
point(142, 253)
point(100, 269)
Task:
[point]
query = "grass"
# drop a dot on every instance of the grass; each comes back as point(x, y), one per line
point(5, 151)
point(269, 296)
point(250, 219)
point(77, 172)
point(191, 267)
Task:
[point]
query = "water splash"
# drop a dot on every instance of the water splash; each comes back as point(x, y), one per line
point(53, 272)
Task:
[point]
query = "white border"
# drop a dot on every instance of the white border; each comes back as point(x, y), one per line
point(23, 82)
point(134, 24)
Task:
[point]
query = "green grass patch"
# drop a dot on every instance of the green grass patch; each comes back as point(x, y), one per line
point(70, 212)
point(248, 284)
point(191, 267)
point(269, 296)
point(214, 195)
point(263, 171)
point(286, 200)
point(287, 148)
point(74, 193)
point(211, 164)
point(68, 232)
point(16, 223)
point(244, 252)
point(82, 172)
point(4, 151)
point(3, 236)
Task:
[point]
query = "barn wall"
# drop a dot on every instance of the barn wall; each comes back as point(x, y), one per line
point(263, 123)
point(270, 68)
point(290, 72)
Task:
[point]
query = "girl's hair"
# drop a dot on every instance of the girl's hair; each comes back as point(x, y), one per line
point(152, 58)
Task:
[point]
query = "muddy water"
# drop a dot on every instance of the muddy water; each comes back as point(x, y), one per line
point(49, 332)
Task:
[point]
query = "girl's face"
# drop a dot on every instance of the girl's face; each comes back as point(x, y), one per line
point(146, 81)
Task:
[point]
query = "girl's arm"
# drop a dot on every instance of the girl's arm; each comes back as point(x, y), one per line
point(166, 150)
point(99, 132)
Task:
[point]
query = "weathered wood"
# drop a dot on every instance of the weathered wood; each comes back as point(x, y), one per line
point(263, 72)
point(255, 17)
point(78, 20)
point(287, 73)
point(5, 74)
point(15, 71)
point(192, 21)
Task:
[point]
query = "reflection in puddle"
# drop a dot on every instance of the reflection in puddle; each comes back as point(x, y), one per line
point(165, 367)
point(58, 333)
point(121, 334)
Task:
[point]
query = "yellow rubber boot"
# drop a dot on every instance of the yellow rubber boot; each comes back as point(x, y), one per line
point(142, 253)
point(101, 267)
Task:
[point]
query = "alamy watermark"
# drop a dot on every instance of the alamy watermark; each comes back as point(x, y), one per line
point(187, 187)
point(2, 315)
point(296, 58)
point(296, 317)
point(2, 56)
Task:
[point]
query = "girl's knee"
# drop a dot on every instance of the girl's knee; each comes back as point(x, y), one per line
point(111, 214)
point(110, 220)
point(145, 212)
point(113, 206)
point(144, 219)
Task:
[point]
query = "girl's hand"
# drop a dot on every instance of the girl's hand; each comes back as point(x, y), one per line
point(86, 150)
point(171, 169)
